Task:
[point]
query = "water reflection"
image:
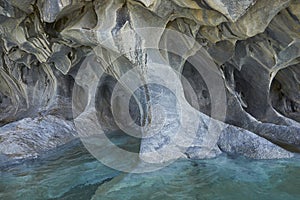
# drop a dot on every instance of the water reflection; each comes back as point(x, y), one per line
point(72, 173)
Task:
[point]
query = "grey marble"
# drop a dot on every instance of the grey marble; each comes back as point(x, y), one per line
point(254, 44)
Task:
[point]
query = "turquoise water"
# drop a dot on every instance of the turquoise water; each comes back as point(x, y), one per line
point(72, 173)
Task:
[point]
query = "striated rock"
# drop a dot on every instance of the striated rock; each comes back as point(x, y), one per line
point(252, 46)
point(255, 21)
point(51, 10)
point(231, 9)
point(241, 142)
point(28, 137)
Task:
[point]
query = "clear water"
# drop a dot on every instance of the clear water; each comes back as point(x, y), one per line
point(72, 173)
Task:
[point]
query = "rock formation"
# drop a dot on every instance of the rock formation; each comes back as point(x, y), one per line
point(28, 137)
point(254, 44)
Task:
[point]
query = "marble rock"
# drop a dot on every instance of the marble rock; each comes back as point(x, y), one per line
point(254, 45)
point(28, 138)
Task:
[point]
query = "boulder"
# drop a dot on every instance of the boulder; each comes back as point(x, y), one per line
point(28, 138)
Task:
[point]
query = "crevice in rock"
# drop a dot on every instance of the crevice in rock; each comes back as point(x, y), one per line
point(193, 83)
point(285, 93)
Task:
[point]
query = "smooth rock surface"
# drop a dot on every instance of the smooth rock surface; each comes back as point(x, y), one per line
point(254, 44)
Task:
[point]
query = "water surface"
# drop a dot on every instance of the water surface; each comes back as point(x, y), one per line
point(72, 173)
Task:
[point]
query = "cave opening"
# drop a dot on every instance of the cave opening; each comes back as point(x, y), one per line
point(285, 92)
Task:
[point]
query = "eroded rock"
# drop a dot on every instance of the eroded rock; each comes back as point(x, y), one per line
point(231, 9)
point(28, 138)
point(255, 45)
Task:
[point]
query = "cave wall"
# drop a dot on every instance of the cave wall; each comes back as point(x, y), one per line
point(255, 44)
